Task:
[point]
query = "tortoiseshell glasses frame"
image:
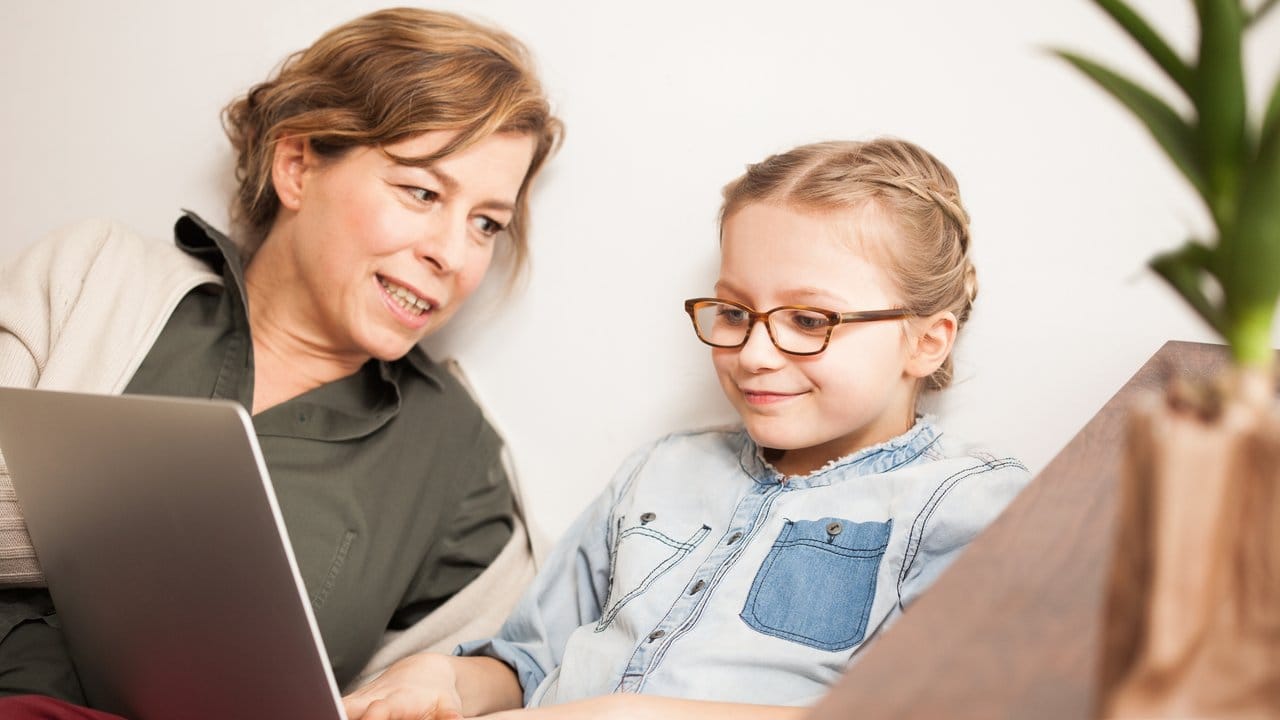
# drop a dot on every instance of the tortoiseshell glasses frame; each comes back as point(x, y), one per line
point(727, 324)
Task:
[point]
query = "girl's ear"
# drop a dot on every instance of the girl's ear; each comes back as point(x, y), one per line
point(289, 163)
point(930, 342)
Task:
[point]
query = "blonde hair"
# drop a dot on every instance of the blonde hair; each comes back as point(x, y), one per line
point(915, 191)
point(382, 78)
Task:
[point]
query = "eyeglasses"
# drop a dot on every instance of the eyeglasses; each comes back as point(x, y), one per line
point(793, 329)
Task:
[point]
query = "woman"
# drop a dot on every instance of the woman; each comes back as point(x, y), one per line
point(377, 171)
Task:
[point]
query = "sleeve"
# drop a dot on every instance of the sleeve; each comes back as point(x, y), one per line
point(962, 506)
point(568, 592)
point(479, 526)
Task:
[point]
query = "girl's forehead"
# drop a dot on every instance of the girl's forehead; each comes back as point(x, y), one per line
point(780, 254)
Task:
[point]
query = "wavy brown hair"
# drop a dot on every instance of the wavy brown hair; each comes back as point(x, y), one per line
point(915, 191)
point(382, 78)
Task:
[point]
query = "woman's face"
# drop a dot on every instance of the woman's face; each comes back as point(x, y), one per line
point(383, 253)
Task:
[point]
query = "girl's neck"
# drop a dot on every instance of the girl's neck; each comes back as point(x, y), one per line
point(805, 461)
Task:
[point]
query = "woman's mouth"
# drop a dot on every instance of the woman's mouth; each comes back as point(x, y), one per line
point(404, 299)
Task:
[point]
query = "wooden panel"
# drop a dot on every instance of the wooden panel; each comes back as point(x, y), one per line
point(1010, 630)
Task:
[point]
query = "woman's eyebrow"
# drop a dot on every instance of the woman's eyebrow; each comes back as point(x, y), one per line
point(451, 186)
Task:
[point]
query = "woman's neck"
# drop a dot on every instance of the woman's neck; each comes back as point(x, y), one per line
point(292, 352)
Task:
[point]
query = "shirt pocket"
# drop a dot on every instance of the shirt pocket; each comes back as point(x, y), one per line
point(818, 582)
point(644, 552)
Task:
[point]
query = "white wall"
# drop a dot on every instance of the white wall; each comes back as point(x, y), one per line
point(112, 109)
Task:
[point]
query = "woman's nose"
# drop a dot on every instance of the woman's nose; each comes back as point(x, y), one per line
point(444, 244)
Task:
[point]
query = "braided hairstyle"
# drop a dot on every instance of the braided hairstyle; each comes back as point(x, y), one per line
point(909, 186)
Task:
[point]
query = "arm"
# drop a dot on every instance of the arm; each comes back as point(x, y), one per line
point(566, 594)
point(652, 707)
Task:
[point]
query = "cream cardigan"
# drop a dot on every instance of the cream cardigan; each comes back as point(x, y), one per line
point(81, 309)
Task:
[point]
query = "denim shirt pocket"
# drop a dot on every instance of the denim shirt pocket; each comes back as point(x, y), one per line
point(644, 551)
point(818, 582)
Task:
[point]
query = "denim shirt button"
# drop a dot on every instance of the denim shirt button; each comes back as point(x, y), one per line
point(733, 538)
point(834, 528)
point(656, 634)
point(697, 586)
point(647, 518)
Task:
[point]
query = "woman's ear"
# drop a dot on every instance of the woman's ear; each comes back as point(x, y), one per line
point(289, 163)
point(930, 342)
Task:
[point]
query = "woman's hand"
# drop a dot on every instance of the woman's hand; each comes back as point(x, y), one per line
point(418, 687)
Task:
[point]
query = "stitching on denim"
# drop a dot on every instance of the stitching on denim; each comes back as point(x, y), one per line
point(684, 628)
point(935, 499)
point(682, 550)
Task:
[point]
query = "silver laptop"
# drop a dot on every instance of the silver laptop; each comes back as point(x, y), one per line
point(166, 555)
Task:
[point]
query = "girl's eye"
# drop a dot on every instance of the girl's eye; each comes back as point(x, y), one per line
point(808, 322)
point(422, 194)
point(488, 226)
point(731, 315)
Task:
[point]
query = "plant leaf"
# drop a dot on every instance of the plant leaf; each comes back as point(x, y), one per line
point(1184, 269)
point(1271, 120)
point(1219, 98)
point(1164, 56)
point(1175, 136)
point(1257, 14)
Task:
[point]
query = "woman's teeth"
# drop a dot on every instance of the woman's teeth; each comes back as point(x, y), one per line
point(407, 300)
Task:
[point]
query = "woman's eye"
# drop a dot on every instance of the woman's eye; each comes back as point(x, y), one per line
point(488, 226)
point(422, 194)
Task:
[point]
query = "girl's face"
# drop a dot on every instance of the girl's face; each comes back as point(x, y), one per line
point(860, 390)
point(385, 253)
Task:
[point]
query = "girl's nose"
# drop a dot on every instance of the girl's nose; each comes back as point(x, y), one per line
point(759, 352)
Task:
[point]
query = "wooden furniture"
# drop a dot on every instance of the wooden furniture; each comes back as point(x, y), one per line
point(1011, 630)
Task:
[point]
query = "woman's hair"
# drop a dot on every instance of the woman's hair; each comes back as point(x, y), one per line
point(380, 79)
point(910, 187)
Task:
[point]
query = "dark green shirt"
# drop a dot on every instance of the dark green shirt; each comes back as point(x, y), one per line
point(389, 480)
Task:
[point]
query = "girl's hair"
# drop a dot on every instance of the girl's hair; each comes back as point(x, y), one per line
point(382, 78)
point(914, 190)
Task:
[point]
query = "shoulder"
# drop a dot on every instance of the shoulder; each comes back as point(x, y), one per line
point(967, 486)
point(103, 246)
point(668, 462)
point(442, 391)
point(715, 445)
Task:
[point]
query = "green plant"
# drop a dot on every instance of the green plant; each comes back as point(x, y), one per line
point(1234, 166)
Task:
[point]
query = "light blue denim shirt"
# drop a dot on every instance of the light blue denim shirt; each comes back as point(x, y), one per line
point(703, 573)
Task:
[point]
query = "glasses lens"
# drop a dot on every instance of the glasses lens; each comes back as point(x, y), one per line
point(800, 331)
point(721, 324)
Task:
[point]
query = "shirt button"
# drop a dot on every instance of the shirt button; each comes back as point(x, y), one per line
point(656, 634)
point(697, 586)
point(834, 528)
point(733, 538)
point(648, 517)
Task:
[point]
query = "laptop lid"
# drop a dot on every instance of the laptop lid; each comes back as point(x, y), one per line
point(166, 556)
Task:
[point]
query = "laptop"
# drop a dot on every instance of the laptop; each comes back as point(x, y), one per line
point(166, 556)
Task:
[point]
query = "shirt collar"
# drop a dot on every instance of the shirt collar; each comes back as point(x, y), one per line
point(886, 456)
point(196, 237)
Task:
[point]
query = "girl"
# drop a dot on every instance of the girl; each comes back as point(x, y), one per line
point(724, 573)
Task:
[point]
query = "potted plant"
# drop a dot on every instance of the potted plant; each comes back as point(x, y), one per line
point(1193, 603)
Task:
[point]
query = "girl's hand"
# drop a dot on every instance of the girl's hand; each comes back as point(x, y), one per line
point(418, 687)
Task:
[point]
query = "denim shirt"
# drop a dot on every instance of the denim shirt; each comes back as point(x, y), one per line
point(702, 572)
